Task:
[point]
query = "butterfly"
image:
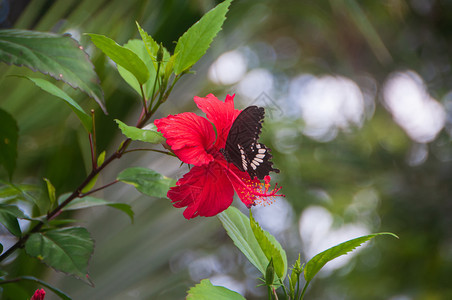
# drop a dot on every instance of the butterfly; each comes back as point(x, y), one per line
point(242, 148)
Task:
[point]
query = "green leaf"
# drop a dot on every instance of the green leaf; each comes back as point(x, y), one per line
point(92, 182)
point(122, 56)
point(57, 291)
point(169, 67)
point(60, 56)
point(147, 181)
point(51, 191)
point(150, 135)
point(26, 192)
point(238, 227)
point(60, 222)
point(13, 210)
point(138, 47)
point(8, 217)
point(52, 89)
point(271, 248)
point(67, 249)
point(88, 201)
point(101, 158)
point(152, 47)
point(9, 134)
point(192, 45)
point(316, 263)
point(126, 208)
point(205, 290)
point(12, 192)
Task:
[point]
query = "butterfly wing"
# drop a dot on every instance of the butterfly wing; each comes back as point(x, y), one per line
point(260, 163)
point(243, 133)
point(242, 148)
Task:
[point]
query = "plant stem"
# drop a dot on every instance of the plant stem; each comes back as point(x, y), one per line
point(93, 158)
point(143, 98)
point(94, 141)
point(304, 290)
point(164, 96)
point(10, 280)
point(144, 117)
point(76, 193)
point(153, 150)
point(298, 289)
point(19, 244)
point(98, 189)
point(155, 83)
point(283, 287)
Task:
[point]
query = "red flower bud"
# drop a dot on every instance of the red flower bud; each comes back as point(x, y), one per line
point(38, 295)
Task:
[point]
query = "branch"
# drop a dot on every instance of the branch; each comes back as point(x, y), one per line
point(147, 149)
point(98, 189)
point(143, 119)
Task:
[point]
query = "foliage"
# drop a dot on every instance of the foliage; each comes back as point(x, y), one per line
point(8, 141)
point(68, 249)
point(57, 55)
point(138, 134)
point(262, 249)
point(314, 265)
point(298, 38)
point(271, 248)
point(238, 229)
point(147, 181)
point(192, 45)
point(52, 89)
point(206, 290)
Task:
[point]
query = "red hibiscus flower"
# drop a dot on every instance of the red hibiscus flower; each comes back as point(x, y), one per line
point(38, 295)
point(208, 188)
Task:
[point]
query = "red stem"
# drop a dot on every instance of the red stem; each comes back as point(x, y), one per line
point(93, 158)
point(77, 193)
point(144, 117)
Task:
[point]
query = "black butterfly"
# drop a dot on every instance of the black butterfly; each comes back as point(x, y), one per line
point(242, 148)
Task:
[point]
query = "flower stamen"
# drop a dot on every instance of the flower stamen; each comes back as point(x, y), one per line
point(252, 190)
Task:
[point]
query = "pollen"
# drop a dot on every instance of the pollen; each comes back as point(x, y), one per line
point(258, 193)
point(252, 191)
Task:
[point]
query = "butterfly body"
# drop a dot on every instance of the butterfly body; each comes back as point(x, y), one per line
point(242, 148)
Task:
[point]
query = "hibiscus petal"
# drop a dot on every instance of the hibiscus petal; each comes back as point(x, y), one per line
point(221, 114)
point(205, 191)
point(189, 136)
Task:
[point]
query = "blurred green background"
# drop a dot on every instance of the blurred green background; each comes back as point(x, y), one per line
point(358, 103)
